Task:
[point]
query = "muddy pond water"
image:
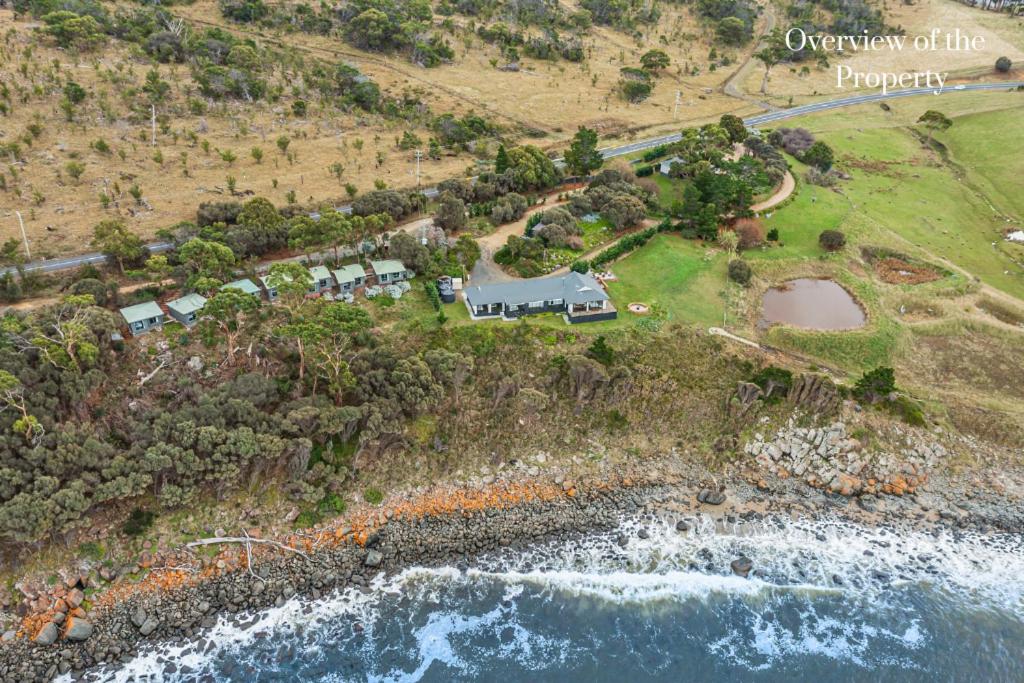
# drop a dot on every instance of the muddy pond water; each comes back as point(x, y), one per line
point(812, 304)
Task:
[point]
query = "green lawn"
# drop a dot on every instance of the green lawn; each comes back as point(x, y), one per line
point(674, 275)
point(990, 145)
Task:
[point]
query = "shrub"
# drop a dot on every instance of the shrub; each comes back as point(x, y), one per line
point(601, 352)
point(580, 266)
point(139, 522)
point(739, 272)
point(773, 235)
point(373, 496)
point(832, 240)
point(1003, 65)
point(774, 381)
point(795, 141)
point(750, 233)
point(875, 385)
point(819, 155)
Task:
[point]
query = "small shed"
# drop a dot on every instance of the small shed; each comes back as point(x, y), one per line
point(322, 280)
point(245, 285)
point(350, 277)
point(665, 167)
point(142, 318)
point(186, 309)
point(390, 270)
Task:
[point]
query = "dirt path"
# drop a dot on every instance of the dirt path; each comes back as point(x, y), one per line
point(781, 195)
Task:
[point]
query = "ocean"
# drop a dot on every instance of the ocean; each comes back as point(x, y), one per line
point(828, 600)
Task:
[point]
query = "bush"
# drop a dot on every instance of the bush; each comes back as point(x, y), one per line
point(832, 240)
point(750, 233)
point(139, 522)
point(795, 141)
point(875, 385)
point(373, 496)
point(739, 272)
point(601, 352)
point(1003, 65)
point(773, 235)
point(819, 155)
point(580, 266)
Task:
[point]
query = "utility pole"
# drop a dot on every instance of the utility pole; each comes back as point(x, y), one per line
point(419, 155)
point(24, 237)
point(152, 120)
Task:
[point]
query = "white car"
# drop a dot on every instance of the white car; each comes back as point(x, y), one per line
point(959, 87)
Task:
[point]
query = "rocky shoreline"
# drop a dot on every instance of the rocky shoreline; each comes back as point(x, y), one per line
point(117, 632)
point(458, 525)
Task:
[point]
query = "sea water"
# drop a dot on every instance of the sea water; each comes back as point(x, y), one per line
point(828, 601)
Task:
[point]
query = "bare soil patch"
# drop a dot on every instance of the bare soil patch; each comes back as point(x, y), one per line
point(899, 272)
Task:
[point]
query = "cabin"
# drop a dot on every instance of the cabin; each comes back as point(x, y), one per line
point(665, 167)
point(350, 278)
point(270, 291)
point(390, 271)
point(322, 280)
point(186, 310)
point(244, 285)
point(580, 298)
point(142, 318)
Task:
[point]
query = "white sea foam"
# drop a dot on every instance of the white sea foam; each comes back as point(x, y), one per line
point(797, 563)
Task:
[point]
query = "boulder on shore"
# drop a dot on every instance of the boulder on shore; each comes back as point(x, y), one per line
point(741, 566)
point(78, 629)
point(47, 635)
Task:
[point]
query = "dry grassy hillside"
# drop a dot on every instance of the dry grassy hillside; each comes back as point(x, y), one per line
point(200, 147)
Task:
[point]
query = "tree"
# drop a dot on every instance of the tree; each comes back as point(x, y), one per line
point(451, 213)
point(206, 259)
point(306, 234)
point(624, 211)
point(819, 155)
point(292, 281)
point(114, 239)
point(72, 30)
point(501, 160)
point(582, 157)
point(831, 240)
point(655, 60)
point(734, 126)
point(769, 56)
point(228, 309)
point(733, 31)
point(12, 395)
point(532, 169)
point(336, 228)
point(328, 336)
point(1003, 65)
point(933, 121)
point(750, 233)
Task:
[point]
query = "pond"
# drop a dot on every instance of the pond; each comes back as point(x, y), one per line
point(812, 304)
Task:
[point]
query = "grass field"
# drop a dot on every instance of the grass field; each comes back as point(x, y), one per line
point(675, 276)
point(993, 156)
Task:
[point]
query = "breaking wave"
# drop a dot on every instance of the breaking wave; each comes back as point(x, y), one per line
point(826, 600)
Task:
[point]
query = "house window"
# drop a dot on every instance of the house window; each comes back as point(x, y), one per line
point(555, 302)
point(535, 304)
point(139, 326)
point(191, 317)
point(152, 321)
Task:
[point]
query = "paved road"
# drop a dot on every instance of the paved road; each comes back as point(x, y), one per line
point(53, 265)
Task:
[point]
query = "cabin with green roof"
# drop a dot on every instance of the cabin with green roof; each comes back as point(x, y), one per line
point(186, 310)
point(142, 318)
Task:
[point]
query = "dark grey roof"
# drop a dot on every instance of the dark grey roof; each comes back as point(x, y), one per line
point(573, 288)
